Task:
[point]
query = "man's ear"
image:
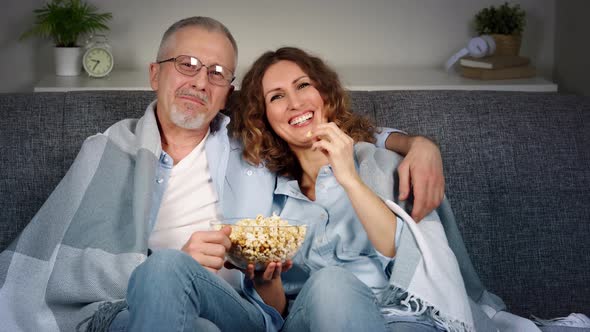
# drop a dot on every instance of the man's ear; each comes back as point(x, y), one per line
point(154, 75)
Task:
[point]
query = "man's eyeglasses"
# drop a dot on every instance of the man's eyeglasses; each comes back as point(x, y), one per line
point(190, 66)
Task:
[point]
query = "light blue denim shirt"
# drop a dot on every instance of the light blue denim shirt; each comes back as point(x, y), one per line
point(335, 237)
point(243, 189)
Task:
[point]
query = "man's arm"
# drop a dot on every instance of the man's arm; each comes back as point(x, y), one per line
point(421, 171)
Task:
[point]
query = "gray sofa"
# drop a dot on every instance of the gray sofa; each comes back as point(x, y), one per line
point(517, 167)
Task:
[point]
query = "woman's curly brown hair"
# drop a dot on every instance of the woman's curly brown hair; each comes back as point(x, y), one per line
point(250, 124)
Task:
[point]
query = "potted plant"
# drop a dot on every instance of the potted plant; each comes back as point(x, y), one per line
point(505, 24)
point(65, 21)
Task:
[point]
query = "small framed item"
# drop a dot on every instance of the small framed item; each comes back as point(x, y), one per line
point(98, 59)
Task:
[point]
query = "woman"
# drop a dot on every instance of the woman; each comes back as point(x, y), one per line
point(295, 118)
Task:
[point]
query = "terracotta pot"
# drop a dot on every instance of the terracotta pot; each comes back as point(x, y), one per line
point(507, 44)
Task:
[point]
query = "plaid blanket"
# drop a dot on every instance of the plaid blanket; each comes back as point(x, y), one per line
point(433, 274)
point(77, 253)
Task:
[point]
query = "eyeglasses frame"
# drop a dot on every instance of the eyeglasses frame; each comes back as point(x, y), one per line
point(173, 59)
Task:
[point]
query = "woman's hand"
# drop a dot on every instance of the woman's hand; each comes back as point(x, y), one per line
point(271, 273)
point(268, 283)
point(339, 149)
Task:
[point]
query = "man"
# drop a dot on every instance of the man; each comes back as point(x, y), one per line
point(153, 184)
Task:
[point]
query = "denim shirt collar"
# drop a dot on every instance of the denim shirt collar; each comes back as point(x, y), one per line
point(220, 123)
point(290, 187)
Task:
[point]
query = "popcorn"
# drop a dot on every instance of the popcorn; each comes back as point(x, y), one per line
point(263, 240)
point(308, 134)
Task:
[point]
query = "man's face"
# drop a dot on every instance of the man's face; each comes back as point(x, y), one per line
point(191, 102)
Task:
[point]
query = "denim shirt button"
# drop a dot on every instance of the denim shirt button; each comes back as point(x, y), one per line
point(160, 180)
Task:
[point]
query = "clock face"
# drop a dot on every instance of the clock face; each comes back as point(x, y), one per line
point(98, 62)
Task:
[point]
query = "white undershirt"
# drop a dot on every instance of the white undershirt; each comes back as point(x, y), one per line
point(189, 202)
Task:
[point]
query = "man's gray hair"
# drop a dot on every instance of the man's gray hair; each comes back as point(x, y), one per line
point(206, 23)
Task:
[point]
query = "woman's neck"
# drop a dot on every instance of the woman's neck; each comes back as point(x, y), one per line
point(310, 162)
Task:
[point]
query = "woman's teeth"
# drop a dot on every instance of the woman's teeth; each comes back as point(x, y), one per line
point(300, 119)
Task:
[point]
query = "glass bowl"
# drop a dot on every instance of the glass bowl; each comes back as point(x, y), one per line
point(262, 240)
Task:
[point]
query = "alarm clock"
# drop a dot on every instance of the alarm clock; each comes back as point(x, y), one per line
point(98, 59)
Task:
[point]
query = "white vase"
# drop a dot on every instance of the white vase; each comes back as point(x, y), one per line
point(68, 61)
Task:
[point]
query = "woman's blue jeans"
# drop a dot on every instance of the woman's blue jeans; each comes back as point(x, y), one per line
point(333, 299)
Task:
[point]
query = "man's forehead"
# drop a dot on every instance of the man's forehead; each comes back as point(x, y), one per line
point(210, 45)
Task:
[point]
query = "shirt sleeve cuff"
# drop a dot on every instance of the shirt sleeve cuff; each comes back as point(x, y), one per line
point(386, 261)
point(272, 318)
point(383, 133)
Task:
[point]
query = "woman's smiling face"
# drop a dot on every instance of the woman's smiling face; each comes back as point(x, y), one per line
point(293, 105)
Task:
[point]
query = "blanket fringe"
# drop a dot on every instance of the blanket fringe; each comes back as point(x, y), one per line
point(399, 302)
point(103, 317)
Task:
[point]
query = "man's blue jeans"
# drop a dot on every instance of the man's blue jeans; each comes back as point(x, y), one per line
point(170, 291)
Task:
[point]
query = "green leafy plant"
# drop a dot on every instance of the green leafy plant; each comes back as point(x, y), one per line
point(506, 20)
point(64, 21)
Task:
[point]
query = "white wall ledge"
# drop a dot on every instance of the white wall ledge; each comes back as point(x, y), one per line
point(354, 78)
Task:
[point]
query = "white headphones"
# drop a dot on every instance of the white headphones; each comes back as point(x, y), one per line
point(477, 47)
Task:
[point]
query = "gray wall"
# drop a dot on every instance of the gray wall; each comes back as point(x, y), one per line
point(18, 71)
point(347, 33)
point(572, 47)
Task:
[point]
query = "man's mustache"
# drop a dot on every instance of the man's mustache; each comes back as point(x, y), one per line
point(199, 95)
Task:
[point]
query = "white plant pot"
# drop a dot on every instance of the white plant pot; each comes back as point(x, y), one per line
point(68, 61)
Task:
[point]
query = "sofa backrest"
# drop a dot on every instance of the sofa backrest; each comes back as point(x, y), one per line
point(517, 168)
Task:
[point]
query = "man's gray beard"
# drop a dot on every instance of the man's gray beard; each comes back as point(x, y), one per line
point(185, 121)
